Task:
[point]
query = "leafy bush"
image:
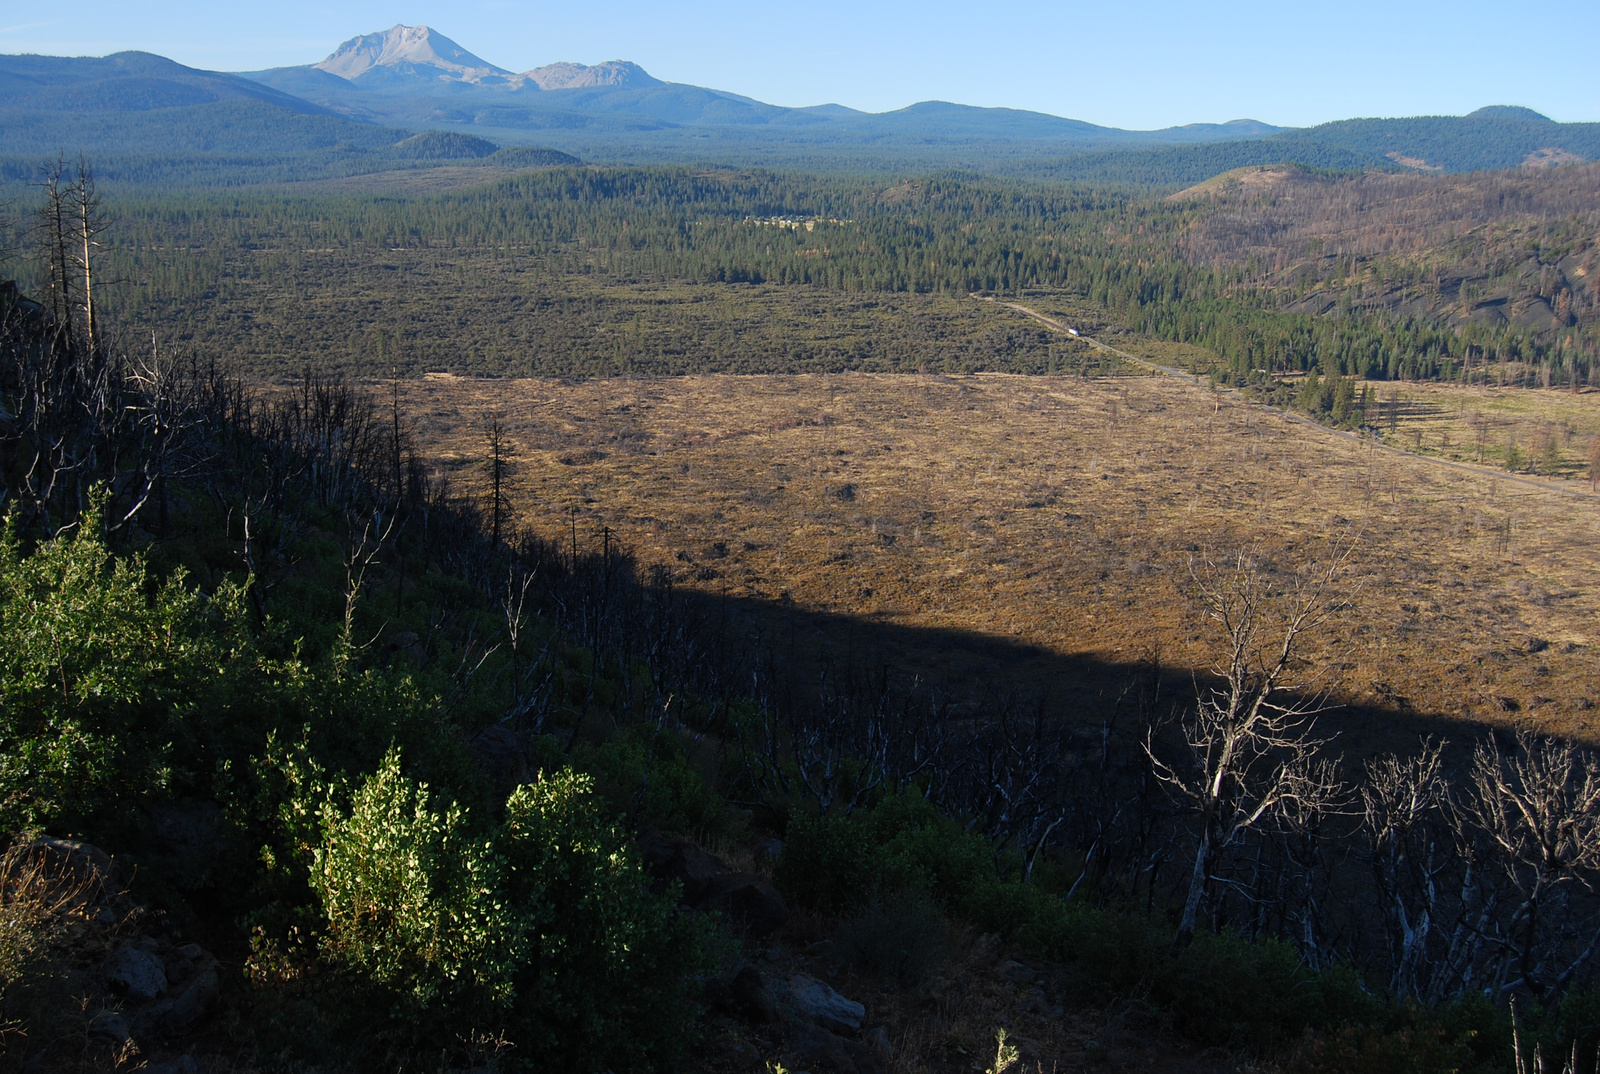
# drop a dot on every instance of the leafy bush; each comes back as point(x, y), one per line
point(542, 934)
point(1221, 989)
point(95, 672)
point(412, 899)
point(837, 863)
point(906, 939)
point(644, 772)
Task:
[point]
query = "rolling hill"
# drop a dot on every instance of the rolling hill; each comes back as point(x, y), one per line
point(149, 120)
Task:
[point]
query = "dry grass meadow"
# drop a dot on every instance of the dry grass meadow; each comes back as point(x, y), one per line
point(1057, 517)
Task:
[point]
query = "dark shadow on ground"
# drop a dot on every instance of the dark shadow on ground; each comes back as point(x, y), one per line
point(805, 653)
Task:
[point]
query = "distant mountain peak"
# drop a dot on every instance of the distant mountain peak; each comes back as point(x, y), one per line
point(404, 55)
point(410, 47)
point(556, 76)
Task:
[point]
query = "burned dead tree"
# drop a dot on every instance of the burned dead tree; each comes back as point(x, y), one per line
point(1249, 755)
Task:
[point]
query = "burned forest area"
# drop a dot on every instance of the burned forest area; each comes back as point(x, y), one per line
point(471, 611)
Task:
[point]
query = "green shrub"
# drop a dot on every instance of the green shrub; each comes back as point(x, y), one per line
point(906, 939)
point(542, 934)
point(837, 863)
point(608, 982)
point(643, 772)
point(1367, 1049)
point(413, 902)
point(96, 675)
point(829, 863)
point(1221, 989)
point(1229, 991)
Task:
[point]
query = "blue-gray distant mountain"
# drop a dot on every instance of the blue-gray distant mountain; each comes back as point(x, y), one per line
point(127, 82)
point(148, 120)
point(416, 75)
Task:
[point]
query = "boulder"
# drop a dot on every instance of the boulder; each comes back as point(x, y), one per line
point(747, 900)
point(812, 1047)
point(80, 875)
point(406, 644)
point(189, 1005)
point(188, 835)
point(817, 1002)
point(748, 996)
point(110, 1025)
point(193, 986)
point(136, 974)
point(668, 859)
point(1016, 972)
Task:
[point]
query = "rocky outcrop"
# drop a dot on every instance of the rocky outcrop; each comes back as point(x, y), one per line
point(136, 979)
point(503, 756)
point(817, 1002)
point(559, 76)
point(156, 989)
point(80, 878)
point(747, 901)
point(135, 974)
point(745, 996)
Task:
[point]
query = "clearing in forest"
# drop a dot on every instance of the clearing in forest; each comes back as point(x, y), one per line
point(1054, 513)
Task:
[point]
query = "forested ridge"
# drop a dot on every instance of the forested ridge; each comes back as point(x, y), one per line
point(1401, 276)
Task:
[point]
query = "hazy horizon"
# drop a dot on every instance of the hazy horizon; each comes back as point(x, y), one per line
point(1170, 64)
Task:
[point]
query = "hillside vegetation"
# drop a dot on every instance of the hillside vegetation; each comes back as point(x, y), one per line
point(1283, 271)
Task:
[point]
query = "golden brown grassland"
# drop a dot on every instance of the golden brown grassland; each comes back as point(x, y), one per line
point(1056, 512)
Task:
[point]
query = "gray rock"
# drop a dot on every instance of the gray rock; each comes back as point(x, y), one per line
point(194, 1001)
point(504, 757)
point(190, 834)
point(746, 899)
point(815, 1047)
point(136, 974)
point(819, 1049)
point(1016, 971)
point(819, 1003)
point(751, 1000)
point(191, 951)
point(110, 1025)
point(86, 872)
point(668, 859)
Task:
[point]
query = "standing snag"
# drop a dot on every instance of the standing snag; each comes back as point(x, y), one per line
point(1538, 811)
point(1249, 748)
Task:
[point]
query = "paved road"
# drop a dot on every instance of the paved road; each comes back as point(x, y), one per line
point(1241, 399)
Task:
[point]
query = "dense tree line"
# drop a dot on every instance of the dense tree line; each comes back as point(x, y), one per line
point(1269, 285)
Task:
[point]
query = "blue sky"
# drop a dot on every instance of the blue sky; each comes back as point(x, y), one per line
point(1129, 65)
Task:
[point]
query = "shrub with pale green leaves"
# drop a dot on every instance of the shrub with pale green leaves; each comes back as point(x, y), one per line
point(412, 897)
point(541, 933)
point(96, 668)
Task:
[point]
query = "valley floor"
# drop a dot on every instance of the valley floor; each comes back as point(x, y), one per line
point(1029, 526)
